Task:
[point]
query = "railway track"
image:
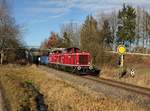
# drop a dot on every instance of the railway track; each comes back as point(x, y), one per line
point(117, 84)
point(111, 88)
point(129, 87)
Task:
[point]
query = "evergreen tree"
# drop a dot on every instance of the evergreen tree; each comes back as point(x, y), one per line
point(107, 35)
point(66, 42)
point(72, 30)
point(90, 40)
point(126, 28)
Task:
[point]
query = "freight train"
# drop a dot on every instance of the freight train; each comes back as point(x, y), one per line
point(70, 59)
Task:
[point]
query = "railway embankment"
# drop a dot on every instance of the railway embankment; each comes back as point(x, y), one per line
point(140, 64)
point(108, 89)
point(57, 91)
point(141, 78)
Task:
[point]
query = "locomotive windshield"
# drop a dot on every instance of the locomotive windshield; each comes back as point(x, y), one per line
point(83, 59)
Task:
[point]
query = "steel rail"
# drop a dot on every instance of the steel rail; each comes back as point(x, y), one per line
point(129, 53)
point(121, 85)
point(124, 86)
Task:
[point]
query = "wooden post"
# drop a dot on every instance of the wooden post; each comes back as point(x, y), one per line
point(121, 65)
point(1, 58)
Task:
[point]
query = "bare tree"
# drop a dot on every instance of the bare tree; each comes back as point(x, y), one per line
point(142, 29)
point(73, 33)
point(146, 29)
point(138, 19)
point(113, 26)
point(9, 31)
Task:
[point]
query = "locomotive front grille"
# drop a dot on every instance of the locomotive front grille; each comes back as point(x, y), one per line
point(83, 59)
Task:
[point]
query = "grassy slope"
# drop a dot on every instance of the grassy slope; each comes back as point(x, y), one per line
point(141, 65)
point(16, 94)
point(59, 96)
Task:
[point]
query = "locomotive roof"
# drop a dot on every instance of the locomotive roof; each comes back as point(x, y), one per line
point(72, 48)
point(57, 50)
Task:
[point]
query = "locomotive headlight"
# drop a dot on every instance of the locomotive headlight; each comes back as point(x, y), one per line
point(91, 67)
point(79, 68)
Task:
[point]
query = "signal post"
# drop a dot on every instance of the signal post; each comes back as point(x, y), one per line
point(121, 51)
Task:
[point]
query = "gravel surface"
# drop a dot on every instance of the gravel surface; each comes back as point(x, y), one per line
point(109, 91)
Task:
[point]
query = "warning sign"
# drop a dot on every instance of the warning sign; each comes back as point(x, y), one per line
point(121, 49)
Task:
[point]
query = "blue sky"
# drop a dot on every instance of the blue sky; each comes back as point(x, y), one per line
point(40, 17)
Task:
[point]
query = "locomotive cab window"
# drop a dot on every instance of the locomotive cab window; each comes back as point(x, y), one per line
point(83, 59)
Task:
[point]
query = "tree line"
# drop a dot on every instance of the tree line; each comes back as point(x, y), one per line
point(10, 34)
point(129, 26)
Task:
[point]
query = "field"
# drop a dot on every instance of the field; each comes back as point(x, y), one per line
point(58, 94)
point(141, 66)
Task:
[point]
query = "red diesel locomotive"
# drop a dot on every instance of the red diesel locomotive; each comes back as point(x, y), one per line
point(72, 60)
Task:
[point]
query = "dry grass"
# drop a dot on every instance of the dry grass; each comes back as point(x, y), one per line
point(142, 75)
point(141, 65)
point(59, 95)
point(17, 96)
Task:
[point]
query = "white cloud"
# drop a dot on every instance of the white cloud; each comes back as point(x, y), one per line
point(93, 6)
point(58, 8)
point(50, 6)
point(45, 19)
